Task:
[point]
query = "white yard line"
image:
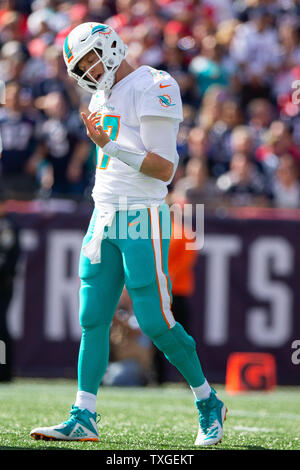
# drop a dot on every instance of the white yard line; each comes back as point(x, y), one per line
point(253, 429)
point(262, 414)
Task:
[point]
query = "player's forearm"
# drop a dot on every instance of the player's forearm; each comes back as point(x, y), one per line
point(157, 167)
point(148, 163)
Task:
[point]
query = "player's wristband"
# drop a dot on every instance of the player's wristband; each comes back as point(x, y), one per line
point(132, 159)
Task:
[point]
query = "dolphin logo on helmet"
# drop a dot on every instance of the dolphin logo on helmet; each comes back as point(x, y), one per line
point(101, 29)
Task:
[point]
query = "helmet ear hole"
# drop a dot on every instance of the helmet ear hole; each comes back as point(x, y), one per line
point(114, 46)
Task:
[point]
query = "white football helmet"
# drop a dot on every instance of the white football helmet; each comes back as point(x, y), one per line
point(107, 45)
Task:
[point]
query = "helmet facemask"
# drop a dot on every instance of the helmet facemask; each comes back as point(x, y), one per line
point(110, 64)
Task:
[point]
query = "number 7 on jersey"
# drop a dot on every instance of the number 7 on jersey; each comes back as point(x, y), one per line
point(111, 125)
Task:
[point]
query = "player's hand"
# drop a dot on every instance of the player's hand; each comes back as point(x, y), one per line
point(93, 129)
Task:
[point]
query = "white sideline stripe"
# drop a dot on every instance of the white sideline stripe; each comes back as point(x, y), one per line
point(231, 412)
point(162, 279)
point(252, 429)
point(262, 414)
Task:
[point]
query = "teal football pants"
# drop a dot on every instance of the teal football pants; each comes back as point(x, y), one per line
point(134, 252)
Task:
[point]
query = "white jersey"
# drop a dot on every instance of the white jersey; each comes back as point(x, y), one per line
point(144, 92)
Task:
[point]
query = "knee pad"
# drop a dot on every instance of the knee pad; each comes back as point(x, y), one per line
point(139, 265)
point(176, 344)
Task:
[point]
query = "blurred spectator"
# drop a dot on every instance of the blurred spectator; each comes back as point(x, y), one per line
point(9, 254)
point(207, 67)
point(174, 62)
point(54, 78)
point(184, 129)
point(255, 48)
point(243, 185)
point(211, 106)
point(225, 31)
point(260, 113)
point(20, 156)
point(197, 143)
point(123, 15)
point(65, 147)
point(286, 187)
point(222, 9)
point(131, 352)
point(76, 14)
point(288, 72)
point(196, 187)
point(179, 173)
point(243, 141)
point(255, 45)
point(289, 40)
point(12, 24)
point(220, 137)
point(278, 141)
point(13, 61)
point(99, 10)
point(173, 32)
point(235, 62)
point(224, 35)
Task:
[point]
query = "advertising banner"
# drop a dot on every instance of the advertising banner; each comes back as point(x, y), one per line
point(247, 296)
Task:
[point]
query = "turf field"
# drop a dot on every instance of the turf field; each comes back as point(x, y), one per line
point(148, 418)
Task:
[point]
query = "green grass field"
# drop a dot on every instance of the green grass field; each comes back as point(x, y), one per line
point(148, 418)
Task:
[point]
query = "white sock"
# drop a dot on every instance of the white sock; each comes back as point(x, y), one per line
point(86, 400)
point(202, 392)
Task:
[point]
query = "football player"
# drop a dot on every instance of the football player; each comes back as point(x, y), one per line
point(134, 120)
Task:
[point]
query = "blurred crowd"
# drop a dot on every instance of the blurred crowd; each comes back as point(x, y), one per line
point(238, 67)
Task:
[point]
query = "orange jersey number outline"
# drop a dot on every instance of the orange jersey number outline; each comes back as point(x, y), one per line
point(111, 125)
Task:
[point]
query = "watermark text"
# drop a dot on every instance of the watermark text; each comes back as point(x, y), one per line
point(296, 353)
point(2, 352)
